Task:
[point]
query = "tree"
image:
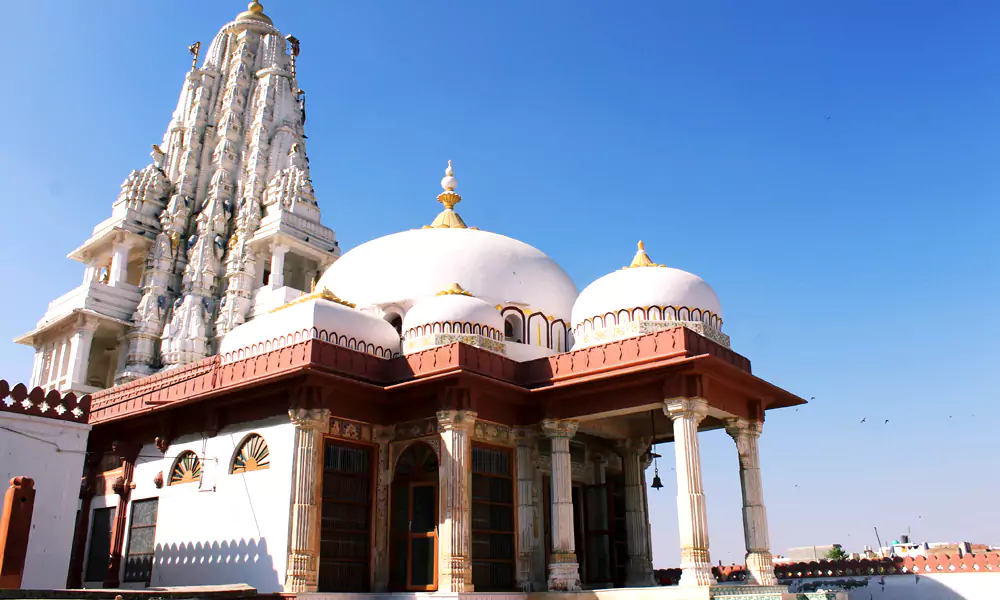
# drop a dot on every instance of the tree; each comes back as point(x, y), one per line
point(836, 553)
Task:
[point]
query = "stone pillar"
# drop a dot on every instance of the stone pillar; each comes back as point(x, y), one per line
point(564, 569)
point(302, 568)
point(692, 520)
point(79, 357)
point(277, 279)
point(119, 262)
point(760, 565)
point(90, 273)
point(640, 554)
point(37, 367)
point(455, 565)
point(527, 443)
point(383, 435)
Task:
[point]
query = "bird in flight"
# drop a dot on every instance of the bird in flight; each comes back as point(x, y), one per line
point(865, 419)
point(886, 421)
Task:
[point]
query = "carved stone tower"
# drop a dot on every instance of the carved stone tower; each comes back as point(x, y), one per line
point(221, 226)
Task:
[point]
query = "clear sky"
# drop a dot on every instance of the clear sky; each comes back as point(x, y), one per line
point(829, 167)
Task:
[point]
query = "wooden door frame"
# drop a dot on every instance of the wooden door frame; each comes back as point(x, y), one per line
point(432, 534)
point(372, 500)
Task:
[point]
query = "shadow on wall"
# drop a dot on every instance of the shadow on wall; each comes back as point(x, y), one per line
point(216, 563)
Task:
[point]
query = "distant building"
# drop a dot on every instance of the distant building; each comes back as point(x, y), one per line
point(807, 553)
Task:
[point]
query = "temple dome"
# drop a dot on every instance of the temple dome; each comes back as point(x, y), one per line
point(401, 268)
point(320, 315)
point(453, 310)
point(642, 298)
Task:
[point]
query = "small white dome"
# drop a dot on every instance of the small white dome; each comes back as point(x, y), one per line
point(453, 311)
point(405, 267)
point(320, 315)
point(644, 292)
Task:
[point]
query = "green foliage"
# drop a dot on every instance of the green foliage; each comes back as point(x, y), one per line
point(836, 553)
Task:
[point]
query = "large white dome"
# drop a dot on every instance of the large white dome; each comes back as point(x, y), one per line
point(642, 298)
point(401, 268)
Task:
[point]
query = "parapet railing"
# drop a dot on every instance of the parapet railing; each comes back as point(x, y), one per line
point(983, 562)
point(38, 403)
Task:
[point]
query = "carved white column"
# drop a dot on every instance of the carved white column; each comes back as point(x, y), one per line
point(640, 555)
point(564, 569)
point(696, 564)
point(455, 567)
point(119, 261)
point(37, 367)
point(527, 442)
point(277, 266)
point(302, 569)
point(760, 564)
point(90, 273)
point(79, 354)
point(383, 435)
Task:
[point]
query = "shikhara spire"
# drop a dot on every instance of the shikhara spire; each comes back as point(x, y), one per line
point(233, 156)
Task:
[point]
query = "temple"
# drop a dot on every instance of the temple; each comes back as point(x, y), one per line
point(436, 410)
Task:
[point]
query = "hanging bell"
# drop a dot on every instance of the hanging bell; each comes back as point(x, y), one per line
point(657, 484)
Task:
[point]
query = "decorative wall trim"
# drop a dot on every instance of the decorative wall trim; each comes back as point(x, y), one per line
point(454, 327)
point(492, 433)
point(297, 337)
point(350, 430)
point(415, 429)
point(37, 403)
point(649, 313)
point(416, 344)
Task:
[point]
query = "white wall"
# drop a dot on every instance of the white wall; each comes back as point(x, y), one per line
point(932, 586)
point(55, 462)
point(236, 533)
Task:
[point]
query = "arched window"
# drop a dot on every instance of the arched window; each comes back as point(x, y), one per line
point(396, 321)
point(187, 468)
point(252, 455)
point(512, 329)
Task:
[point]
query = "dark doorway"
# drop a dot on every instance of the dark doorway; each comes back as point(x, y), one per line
point(414, 519)
point(345, 531)
point(99, 550)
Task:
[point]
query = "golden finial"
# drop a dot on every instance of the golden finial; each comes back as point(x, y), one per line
point(454, 290)
point(641, 259)
point(255, 10)
point(448, 217)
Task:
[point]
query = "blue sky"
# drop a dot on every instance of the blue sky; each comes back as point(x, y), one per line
point(829, 167)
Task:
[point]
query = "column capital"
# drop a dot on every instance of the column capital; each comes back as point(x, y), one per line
point(456, 419)
point(690, 408)
point(310, 418)
point(737, 427)
point(279, 248)
point(559, 428)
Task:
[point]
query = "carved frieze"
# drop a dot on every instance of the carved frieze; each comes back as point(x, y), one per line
point(493, 433)
point(414, 429)
point(351, 430)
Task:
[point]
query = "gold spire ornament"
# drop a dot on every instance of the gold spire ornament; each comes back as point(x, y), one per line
point(641, 259)
point(448, 217)
point(454, 290)
point(254, 11)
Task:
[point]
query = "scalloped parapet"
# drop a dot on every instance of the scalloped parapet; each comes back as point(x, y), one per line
point(38, 403)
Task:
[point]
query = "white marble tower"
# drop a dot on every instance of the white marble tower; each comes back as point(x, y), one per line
point(221, 226)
